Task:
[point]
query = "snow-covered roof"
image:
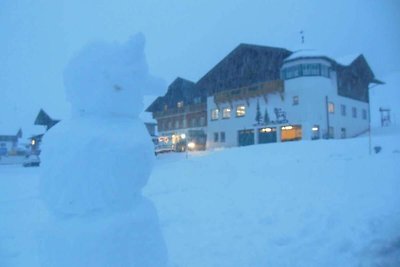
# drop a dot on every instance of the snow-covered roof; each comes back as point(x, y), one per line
point(303, 53)
point(306, 53)
point(347, 60)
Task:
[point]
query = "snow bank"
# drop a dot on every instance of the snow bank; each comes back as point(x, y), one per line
point(309, 203)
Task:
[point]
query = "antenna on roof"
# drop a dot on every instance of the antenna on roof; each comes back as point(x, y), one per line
point(302, 36)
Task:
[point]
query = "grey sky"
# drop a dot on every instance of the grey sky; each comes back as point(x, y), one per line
point(184, 38)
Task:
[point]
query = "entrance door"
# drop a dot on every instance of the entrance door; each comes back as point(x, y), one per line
point(267, 135)
point(246, 137)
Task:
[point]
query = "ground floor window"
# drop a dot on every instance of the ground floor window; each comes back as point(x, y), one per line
point(222, 137)
point(331, 132)
point(290, 133)
point(343, 133)
point(315, 132)
point(215, 137)
point(267, 135)
point(246, 137)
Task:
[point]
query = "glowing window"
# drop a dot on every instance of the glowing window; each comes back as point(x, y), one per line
point(214, 114)
point(240, 111)
point(226, 113)
point(180, 104)
point(331, 107)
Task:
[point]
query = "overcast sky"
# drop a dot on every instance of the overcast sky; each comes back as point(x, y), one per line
point(183, 37)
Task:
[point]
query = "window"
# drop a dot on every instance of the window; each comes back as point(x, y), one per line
point(331, 133)
point(343, 132)
point(197, 100)
point(331, 107)
point(343, 110)
point(165, 107)
point(214, 114)
point(354, 112)
point(310, 69)
point(313, 69)
point(222, 134)
point(202, 121)
point(364, 114)
point(226, 113)
point(240, 111)
point(325, 71)
point(315, 132)
point(179, 104)
point(176, 124)
point(291, 133)
point(295, 100)
point(215, 137)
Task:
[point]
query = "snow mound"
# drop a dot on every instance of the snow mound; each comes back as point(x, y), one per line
point(307, 203)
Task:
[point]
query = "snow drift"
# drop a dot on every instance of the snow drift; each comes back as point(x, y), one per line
point(308, 203)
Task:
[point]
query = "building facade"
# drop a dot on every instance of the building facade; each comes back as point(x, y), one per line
point(260, 94)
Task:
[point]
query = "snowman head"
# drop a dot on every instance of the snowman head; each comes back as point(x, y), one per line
point(108, 78)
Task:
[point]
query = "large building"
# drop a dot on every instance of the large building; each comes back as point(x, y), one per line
point(260, 94)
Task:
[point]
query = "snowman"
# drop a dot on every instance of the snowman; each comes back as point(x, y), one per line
point(95, 164)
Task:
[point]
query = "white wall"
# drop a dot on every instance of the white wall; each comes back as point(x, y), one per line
point(311, 110)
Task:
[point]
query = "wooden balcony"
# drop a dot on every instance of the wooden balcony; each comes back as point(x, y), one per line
point(251, 91)
point(184, 110)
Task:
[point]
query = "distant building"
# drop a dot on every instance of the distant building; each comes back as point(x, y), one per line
point(181, 111)
point(42, 119)
point(9, 143)
point(260, 94)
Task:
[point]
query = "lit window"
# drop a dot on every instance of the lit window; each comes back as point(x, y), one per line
point(215, 137)
point(331, 107)
point(222, 137)
point(240, 111)
point(180, 104)
point(295, 100)
point(315, 132)
point(214, 114)
point(343, 110)
point(354, 112)
point(364, 114)
point(226, 113)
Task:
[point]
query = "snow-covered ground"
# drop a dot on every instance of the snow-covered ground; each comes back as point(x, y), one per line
point(309, 203)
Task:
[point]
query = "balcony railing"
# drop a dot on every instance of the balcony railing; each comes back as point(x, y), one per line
point(184, 110)
point(249, 91)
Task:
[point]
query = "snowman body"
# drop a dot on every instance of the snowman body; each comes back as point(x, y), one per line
point(94, 166)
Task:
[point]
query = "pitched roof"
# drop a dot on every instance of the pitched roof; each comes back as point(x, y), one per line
point(179, 90)
point(247, 64)
point(45, 120)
